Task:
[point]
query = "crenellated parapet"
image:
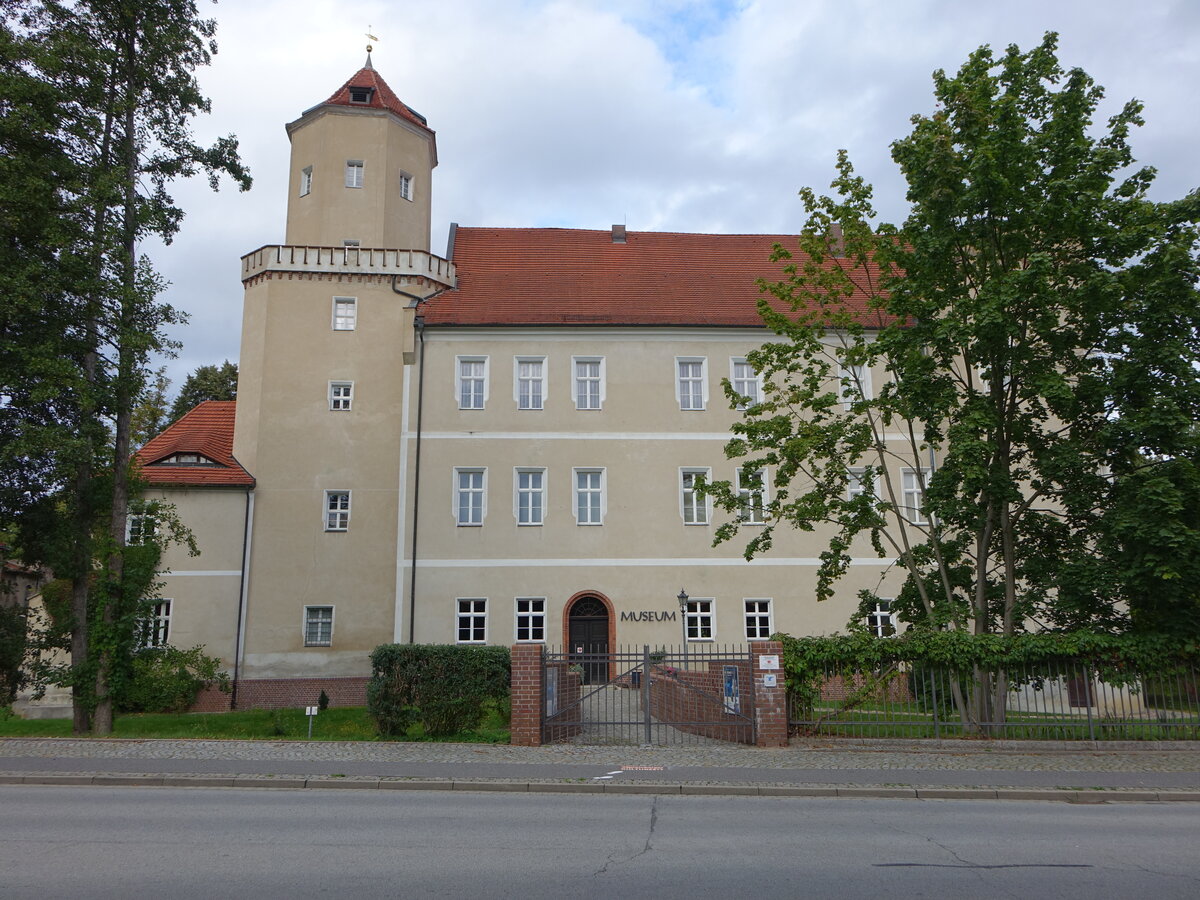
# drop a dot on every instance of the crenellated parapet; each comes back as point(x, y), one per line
point(347, 261)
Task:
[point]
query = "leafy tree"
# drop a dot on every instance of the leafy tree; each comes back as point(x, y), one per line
point(206, 383)
point(150, 413)
point(115, 82)
point(1031, 331)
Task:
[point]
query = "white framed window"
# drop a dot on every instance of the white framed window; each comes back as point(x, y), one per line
point(751, 490)
point(531, 619)
point(156, 626)
point(693, 506)
point(405, 186)
point(471, 381)
point(470, 496)
point(341, 395)
point(354, 173)
point(337, 510)
point(856, 384)
point(691, 385)
point(857, 484)
point(698, 619)
point(881, 621)
point(530, 487)
point(472, 621)
point(141, 528)
point(345, 313)
point(912, 488)
point(589, 381)
point(745, 381)
point(318, 626)
point(758, 619)
point(529, 380)
point(306, 181)
point(589, 496)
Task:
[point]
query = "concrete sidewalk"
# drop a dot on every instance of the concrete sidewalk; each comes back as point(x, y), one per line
point(942, 769)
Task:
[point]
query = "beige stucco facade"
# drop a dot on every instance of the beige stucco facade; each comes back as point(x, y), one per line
point(643, 443)
point(205, 590)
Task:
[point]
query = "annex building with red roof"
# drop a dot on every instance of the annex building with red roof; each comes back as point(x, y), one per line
point(496, 445)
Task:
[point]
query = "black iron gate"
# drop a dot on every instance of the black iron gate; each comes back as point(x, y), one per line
point(646, 696)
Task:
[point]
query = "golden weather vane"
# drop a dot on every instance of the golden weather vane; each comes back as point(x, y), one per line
point(370, 37)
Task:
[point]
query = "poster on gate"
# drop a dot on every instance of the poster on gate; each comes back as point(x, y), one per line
point(551, 691)
point(733, 696)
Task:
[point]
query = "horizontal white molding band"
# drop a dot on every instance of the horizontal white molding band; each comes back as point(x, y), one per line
point(237, 572)
point(751, 337)
point(617, 563)
point(720, 436)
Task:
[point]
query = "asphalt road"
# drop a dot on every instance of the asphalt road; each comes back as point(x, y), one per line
point(185, 843)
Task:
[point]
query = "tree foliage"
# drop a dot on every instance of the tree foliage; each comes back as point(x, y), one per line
point(98, 100)
point(1032, 333)
point(206, 383)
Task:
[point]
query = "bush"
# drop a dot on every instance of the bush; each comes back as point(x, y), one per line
point(443, 686)
point(12, 652)
point(167, 679)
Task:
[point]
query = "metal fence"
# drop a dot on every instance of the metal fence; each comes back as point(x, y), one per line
point(646, 695)
point(1067, 701)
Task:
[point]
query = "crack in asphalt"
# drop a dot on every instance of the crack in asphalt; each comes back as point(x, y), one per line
point(970, 865)
point(960, 862)
point(646, 849)
point(1150, 871)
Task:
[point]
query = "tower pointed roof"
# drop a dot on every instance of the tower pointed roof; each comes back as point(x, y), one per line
point(378, 96)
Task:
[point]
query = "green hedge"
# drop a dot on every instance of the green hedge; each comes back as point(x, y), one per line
point(168, 679)
point(1113, 657)
point(443, 686)
point(958, 649)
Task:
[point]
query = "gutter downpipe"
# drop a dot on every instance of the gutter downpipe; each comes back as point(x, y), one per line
point(412, 572)
point(243, 593)
point(419, 324)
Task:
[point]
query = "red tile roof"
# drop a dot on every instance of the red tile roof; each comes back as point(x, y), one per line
point(560, 276)
point(207, 430)
point(382, 96)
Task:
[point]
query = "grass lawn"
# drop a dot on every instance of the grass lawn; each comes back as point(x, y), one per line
point(334, 724)
point(903, 720)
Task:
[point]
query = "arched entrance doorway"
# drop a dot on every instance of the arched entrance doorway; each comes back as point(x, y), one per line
point(587, 636)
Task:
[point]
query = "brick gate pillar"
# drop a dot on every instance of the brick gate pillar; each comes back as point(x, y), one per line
point(770, 703)
point(526, 723)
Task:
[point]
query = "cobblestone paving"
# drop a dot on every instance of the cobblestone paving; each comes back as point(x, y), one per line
point(612, 716)
point(880, 755)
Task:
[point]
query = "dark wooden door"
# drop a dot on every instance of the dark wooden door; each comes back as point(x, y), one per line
point(588, 630)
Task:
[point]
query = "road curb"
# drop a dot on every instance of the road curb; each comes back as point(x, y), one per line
point(1098, 795)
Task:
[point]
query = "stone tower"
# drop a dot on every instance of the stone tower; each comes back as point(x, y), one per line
point(326, 382)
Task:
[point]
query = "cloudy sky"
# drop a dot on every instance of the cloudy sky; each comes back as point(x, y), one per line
point(670, 115)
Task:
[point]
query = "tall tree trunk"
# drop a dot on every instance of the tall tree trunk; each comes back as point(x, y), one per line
point(125, 388)
point(82, 693)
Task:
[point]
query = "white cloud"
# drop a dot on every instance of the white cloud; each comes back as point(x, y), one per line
point(673, 115)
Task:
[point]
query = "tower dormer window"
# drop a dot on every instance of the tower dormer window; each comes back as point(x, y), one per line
point(361, 94)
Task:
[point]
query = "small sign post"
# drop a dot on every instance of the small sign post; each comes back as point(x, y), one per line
point(311, 712)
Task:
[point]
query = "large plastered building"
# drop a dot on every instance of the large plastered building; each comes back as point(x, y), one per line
point(496, 445)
